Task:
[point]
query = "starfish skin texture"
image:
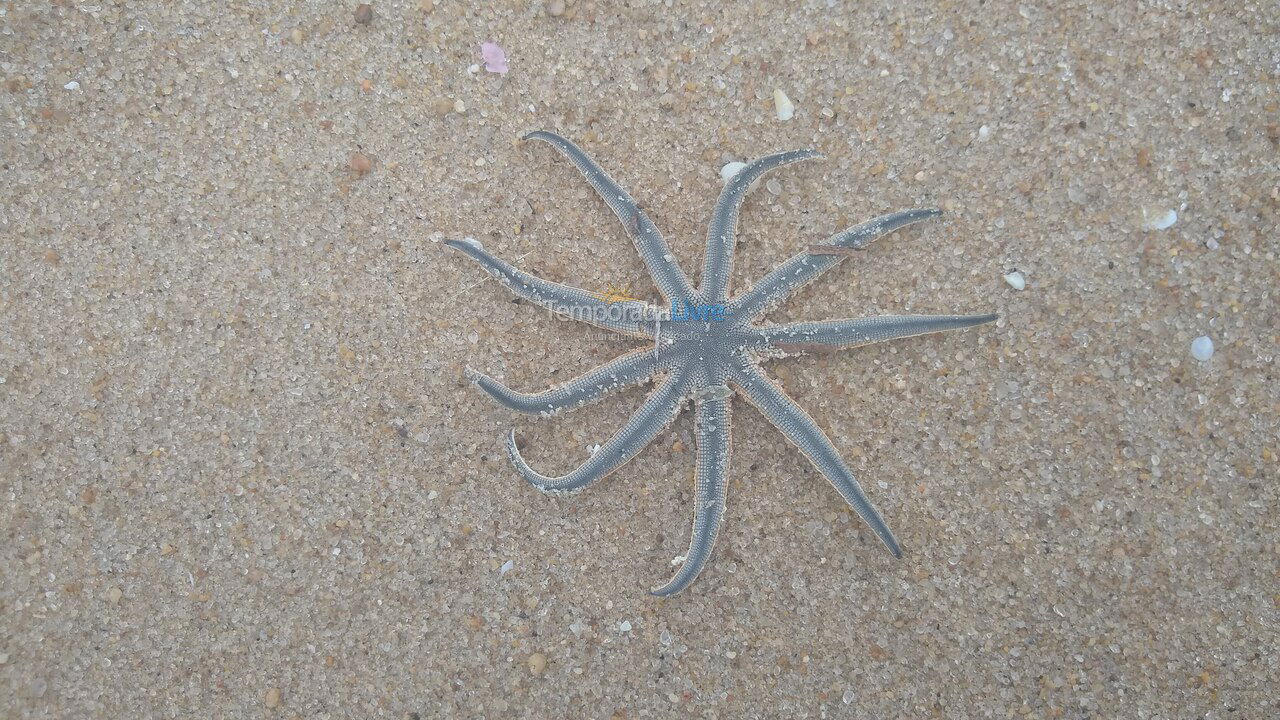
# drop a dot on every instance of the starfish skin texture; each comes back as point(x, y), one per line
point(704, 347)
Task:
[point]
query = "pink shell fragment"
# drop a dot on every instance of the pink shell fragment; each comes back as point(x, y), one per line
point(495, 58)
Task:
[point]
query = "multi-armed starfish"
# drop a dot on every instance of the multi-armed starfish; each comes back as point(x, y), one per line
point(705, 347)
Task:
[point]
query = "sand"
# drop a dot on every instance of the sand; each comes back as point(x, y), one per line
point(244, 476)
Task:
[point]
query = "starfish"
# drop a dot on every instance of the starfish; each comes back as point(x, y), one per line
point(706, 347)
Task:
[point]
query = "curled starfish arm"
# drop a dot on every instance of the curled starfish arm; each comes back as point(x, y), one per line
point(667, 275)
point(710, 479)
point(804, 433)
point(834, 334)
point(801, 269)
point(634, 367)
point(657, 412)
point(717, 263)
point(630, 317)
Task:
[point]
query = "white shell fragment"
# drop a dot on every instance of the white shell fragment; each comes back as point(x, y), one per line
point(783, 105)
point(1016, 280)
point(1202, 348)
point(73, 85)
point(506, 567)
point(1158, 218)
point(730, 169)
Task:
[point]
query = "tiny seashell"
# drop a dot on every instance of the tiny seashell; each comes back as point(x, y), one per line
point(730, 169)
point(1158, 219)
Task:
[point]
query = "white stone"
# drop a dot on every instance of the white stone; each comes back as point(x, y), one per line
point(1016, 280)
point(1202, 348)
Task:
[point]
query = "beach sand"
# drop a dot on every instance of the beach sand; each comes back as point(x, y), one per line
point(244, 476)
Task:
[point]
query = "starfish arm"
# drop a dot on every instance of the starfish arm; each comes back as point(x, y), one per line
point(804, 267)
point(667, 275)
point(804, 433)
point(657, 412)
point(631, 317)
point(710, 480)
point(717, 263)
point(636, 366)
point(833, 334)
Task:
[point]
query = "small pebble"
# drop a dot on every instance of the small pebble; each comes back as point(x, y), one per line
point(364, 14)
point(1202, 348)
point(361, 164)
point(729, 170)
point(272, 697)
point(442, 106)
point(773, 186)
point(625, 626)
point(782, 104)
point(848, 696)
point(73, 85)
point(555, 8)
point(115, 594)
point(537, 663)
point(984, 132)
point(666, 101)
point(1016, 280)
point(506, 567)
